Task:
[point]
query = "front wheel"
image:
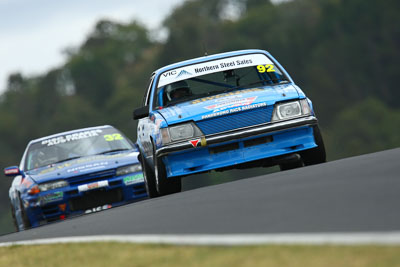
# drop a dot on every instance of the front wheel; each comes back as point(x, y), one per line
point(24, 217)
point(165, 186)
point(315, 155)
point(14, 220)
point(149, 179)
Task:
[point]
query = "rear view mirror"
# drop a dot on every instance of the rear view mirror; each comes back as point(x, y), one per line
point(12, 171)
point(140, 113)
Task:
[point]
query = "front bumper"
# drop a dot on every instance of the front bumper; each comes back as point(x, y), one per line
point(252, 131)
point(238, 147)
point(69, 201)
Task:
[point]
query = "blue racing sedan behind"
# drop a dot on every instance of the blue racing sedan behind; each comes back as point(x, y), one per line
point(75, 172)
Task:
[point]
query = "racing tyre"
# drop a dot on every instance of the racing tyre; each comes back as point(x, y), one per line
point(315, 155)
point(165, 186)
point(24, 217)
point(14, 220)
point(149, 179)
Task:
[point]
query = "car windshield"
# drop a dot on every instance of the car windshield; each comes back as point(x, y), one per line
point(64, 147)
point(216, 77)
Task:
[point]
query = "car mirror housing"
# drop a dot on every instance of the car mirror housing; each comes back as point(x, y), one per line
point(12, 171)
point(140, 113)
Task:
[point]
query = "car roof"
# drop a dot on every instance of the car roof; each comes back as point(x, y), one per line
point(209, 57)
point(70, 132)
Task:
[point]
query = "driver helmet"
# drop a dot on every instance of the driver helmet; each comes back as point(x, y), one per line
point(45, 157)
point(177, 90)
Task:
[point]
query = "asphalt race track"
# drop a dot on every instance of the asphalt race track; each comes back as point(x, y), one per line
point(359, 194)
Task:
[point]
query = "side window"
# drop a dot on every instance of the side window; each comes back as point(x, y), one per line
point(146, 97)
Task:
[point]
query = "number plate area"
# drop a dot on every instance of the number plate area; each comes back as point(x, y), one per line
point(91, 186)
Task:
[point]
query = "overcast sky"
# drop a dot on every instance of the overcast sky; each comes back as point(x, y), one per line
point(33, 33)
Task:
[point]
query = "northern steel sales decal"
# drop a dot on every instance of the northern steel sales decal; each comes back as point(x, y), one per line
point(211, 67)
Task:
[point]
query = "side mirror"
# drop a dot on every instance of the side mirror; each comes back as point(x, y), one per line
point(12, 171)
point(140, 113)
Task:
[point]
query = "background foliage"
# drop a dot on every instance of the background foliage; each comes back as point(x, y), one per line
point(344, 55)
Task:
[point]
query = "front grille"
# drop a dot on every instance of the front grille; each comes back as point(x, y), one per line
point(51, 212)
point(236, 120)
point(92, 177)
point(96, 198)
point(257, 141)
point(224, 148)
point(139, 189)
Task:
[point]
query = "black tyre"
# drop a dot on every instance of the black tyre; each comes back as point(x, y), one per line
point(165, 186)
point(24, 216)
point(315, 155)
point(14, 220)
point(149, 179)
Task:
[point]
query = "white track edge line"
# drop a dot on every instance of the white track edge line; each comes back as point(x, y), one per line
point(365, 238)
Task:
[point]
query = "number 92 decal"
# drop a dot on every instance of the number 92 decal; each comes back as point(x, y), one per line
point(265, 68)
point(113, 137)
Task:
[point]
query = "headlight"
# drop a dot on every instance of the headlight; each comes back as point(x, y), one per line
point(52, 185)
point(290, 110)
point(128, 169)
point(179, 132)
point(183, 131)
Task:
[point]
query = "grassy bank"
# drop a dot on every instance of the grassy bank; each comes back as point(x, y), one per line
point(117, 254)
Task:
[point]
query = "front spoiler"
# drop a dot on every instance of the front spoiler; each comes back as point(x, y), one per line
point(252, 131)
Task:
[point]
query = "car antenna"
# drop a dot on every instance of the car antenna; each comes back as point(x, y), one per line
point(205, 49)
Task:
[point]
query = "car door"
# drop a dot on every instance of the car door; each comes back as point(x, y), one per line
point(145, 127)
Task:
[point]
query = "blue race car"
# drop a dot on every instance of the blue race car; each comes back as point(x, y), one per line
point(75, 172)
point(232, 110)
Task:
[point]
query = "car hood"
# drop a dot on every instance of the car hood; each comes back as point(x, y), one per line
point(221, 104)
point(83, 166)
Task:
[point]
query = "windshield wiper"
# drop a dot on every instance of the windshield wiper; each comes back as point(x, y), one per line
point(176, 102)
point(68, 159)
point(113, 150)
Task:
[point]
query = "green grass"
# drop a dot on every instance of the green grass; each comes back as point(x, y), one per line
point(120, 254)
